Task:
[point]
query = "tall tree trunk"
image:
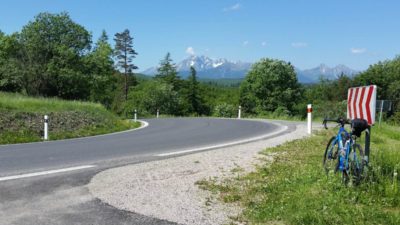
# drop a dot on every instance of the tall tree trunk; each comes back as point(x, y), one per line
point(126, 76)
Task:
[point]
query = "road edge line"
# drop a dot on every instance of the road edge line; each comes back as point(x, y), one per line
point(282, 129)
point(47, 172)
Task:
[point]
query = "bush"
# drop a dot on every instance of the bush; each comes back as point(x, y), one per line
point(395, 119)
point(329, 109)
point(224, 110)
point(281, 111)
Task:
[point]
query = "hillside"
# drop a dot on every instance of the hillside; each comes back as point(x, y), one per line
point(21, 119)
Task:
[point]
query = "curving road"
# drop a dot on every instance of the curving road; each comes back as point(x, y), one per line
point(161, 136)
point(63, 198)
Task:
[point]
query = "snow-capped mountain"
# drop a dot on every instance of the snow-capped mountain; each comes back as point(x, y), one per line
point(209, 68)
point(313, 75)
point(223, 68)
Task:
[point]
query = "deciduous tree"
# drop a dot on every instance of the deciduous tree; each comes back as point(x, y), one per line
point(52, 50)
point(268, 85)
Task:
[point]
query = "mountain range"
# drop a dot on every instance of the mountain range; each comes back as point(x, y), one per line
point(223, 68)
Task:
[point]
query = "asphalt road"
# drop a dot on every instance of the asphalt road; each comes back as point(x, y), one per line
point(161, 136)
point(63, 198)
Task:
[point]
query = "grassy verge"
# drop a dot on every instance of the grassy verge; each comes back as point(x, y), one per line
point(294, 189)
point(21, 119)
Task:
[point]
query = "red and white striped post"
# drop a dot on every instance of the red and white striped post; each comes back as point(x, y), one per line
point(309, 118)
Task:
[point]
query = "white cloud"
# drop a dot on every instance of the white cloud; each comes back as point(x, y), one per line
point(234, 7)
point(358, 50)
point(190, 50)
point(263, 43)
point(299, 44)
point(245, 43)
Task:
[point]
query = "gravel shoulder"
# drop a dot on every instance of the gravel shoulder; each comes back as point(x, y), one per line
point(166, 189)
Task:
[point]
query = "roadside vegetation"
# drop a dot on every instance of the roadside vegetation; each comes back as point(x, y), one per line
point(53, 56)
point(21, 119)
point(294, 188)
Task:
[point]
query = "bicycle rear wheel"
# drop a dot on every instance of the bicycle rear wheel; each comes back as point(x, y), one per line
point(330, 161)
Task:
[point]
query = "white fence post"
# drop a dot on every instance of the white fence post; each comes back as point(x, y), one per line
point(46, 128)
point(135, 117)
point(240, 112)
point(309, 118)
point(158, 113)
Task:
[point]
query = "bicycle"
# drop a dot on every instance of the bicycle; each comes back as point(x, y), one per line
point(342, 152)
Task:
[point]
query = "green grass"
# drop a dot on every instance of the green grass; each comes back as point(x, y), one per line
point(18, 102)
point(294, 189)
point(21, 119)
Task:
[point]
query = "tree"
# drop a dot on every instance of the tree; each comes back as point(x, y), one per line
point(125, 53)
point(52, 50)
point(99, 65)
point(340, 87)
point(193, 94)
point(151, 95)
point(268, 85)
point(167, 72)
point(382, 74)
point(10, 66)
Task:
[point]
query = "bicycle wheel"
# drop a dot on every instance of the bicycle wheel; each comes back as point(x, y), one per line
point(356, 164)
point(330, 161)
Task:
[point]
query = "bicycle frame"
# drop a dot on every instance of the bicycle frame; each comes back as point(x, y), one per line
point(346, 147)
point(339, 137)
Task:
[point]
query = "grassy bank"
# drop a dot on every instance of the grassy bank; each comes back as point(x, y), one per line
point(294, 189)
point(21, 119)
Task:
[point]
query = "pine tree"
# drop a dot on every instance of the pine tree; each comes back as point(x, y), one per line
point(193, 91)
point(167, 72)
point(125, 53)
point(100, 66)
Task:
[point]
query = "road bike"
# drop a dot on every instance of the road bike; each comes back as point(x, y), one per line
point(342, 152)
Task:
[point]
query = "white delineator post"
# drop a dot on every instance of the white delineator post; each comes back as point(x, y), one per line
point(309, 118)
point(135, 116)
point(240, 112)
point(158, 113)
point(46, 128)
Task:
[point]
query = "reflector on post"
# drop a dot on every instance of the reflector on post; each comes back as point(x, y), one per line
point(309, 118)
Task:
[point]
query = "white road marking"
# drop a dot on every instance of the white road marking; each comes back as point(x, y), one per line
point(283, 128)
point(45, 172)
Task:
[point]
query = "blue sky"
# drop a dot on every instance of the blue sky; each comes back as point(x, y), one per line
point(307, 33)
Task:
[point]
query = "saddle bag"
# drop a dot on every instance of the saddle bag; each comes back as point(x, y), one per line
point(358, 126)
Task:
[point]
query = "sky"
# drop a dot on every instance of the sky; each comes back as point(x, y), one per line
point(306, 33)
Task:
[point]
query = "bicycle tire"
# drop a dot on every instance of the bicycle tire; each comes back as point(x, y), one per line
point(356, 165)
point(330, 161)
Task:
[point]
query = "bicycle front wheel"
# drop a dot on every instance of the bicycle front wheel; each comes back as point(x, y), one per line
point(330, 161)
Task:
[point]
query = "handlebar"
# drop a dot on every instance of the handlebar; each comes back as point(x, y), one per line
point(340, 121)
